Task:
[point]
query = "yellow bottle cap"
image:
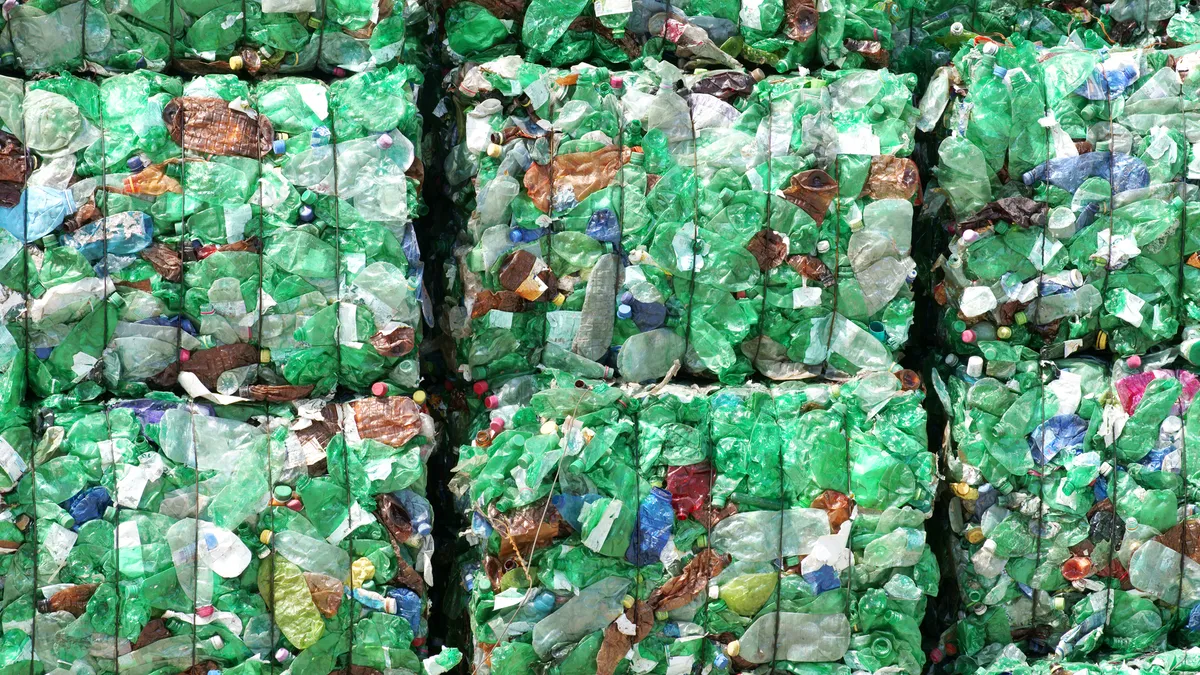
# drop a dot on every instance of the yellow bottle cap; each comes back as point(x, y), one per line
point(975, 535)
point(235, 62)
point(627, 601)
point(418, 396)
point(733, 648)
point(265, 537)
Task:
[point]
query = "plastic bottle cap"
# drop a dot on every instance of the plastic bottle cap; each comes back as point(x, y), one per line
point(975, 535)
point(714, 591)
point(379, 389)
point(970, 236)
point(307, 215)
point(480, 388)
point(283, 492)
point(616, 81)
point(491, 402)
point(264, 537)
point(1004, 332)
point(384, 141)
point(279, 146)
point(975, 366)
point(1134, 362)
point(956, 28)
point(1020, 318)
point(235, 62)
point(559, 300)
point(733, 648)
point(497, 424)
point(184, 355)
point(624, 311)
point(418, 397)
point(135, 164)
point(264, 356)
point(968, 336)
point(494, 150)
point(660, 615)
point(282, 654)
point(294, 504)
point(339, 72)
point(627, 601)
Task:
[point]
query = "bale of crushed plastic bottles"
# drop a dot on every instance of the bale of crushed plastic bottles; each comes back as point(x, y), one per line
point(164, 534)
point(620, 222)
point(1073, 489)
point(782, 35)
point(1061, 182)
point(243, 240)
point(683, 527)
point(255, 38)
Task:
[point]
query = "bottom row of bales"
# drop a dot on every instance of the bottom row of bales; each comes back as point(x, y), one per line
point(166, 535)
point(668, 528)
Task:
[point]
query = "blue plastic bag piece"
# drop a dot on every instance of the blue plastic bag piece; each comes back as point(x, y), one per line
point(127, 233)
point(480, 526)
point(87, 505)
point(655, 518)
point(1124, 172)
point(1100, 489)
point(603, 226)
point(420, 512)
point(1193, 622)
point(822, 579)
point(570, 506)
point(1061, 433)
point(408, 605)
point(40, 212)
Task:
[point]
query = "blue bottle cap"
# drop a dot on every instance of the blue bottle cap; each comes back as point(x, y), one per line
point(135, 164)
point(307, 215)
point(624, 311)
point(424, 529)
point(279, 146)
point(516, 236)
point(627, 298)
point(721, 662)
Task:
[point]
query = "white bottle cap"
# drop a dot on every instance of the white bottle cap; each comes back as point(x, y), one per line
point(975, 366)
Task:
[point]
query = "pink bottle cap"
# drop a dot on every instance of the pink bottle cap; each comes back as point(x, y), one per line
point(184, 355)
point(385, 141)
point(294, 504)
point(339, 72)
point(205, 611)
point(1134, 361)
point(491, 402)
point(616, 81)
point(497, 425)
point(968, 336)
point(379, 389)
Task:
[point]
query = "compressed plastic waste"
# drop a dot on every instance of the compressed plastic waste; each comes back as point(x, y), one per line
point(780, 34)
point(1072, 506)
point(254, 37)
point(243, 241)
point(679, 527)
point(167, 535)
point(1063, 185)
point(926, 35)
point(620, 222)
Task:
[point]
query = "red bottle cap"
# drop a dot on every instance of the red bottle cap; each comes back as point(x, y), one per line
point(480, 388)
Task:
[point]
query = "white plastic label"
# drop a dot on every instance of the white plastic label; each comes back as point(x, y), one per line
point(610, 7)
point(10, 461)
point(806, 296)
point(500, 319)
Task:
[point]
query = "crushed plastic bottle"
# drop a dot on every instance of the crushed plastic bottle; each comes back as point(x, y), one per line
point(621, 221)
point(570, 487)
point(147, 533)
